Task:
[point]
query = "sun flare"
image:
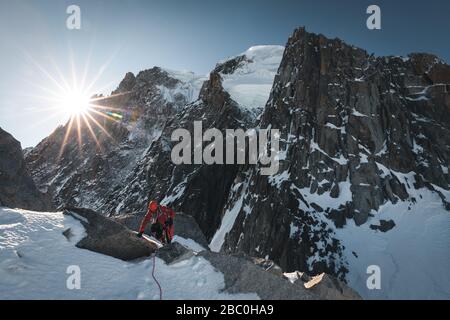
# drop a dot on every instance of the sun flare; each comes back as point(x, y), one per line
point(79, 102)
point(75, 103)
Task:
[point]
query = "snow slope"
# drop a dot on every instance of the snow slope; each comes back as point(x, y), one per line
point(414, 256)
point(252, 81)
point(228, 220)
point(35, 255)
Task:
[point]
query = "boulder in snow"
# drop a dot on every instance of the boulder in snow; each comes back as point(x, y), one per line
point(106, 236)
point(174, 252)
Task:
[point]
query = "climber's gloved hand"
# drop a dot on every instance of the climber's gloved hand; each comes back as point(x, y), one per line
point(139, 235)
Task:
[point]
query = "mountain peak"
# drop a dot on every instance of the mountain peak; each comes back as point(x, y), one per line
point(248, 77)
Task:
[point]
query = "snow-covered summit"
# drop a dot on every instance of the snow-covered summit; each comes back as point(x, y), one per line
point(251, 81)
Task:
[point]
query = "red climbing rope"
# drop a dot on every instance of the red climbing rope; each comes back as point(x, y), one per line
point(154, 278)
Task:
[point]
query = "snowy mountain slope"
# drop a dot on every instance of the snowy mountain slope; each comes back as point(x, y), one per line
point(414, 257)
point(35, 255)
point(249, 82)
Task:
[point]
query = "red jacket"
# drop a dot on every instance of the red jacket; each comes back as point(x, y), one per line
point(164, 216)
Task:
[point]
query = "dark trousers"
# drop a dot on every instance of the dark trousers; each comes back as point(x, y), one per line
point(157, 231)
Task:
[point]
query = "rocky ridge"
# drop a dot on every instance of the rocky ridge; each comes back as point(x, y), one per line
point(17, 189)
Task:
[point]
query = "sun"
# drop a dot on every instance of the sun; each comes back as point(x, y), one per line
point(78, 102)
point(75, 102)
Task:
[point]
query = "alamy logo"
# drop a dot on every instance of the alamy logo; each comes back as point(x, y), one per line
point(260, 148)
point(374, 20)
point(73, 281)
point(374, 280)
point(73, 22)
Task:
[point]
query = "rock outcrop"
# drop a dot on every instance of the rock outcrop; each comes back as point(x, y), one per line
point(174, 253)
point(109, 237)
point(17, 189)
point(242, 275)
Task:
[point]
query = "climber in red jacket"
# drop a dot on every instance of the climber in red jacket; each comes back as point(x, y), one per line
point(162, 222)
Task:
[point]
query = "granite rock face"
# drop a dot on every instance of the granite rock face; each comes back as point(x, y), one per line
point(17, 189)
point(357, 131)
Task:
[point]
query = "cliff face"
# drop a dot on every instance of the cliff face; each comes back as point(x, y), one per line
point(357, 132)
point(17, 189)
point(349, 116)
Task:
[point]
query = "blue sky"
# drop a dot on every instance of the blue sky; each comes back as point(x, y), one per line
point(133, 35)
